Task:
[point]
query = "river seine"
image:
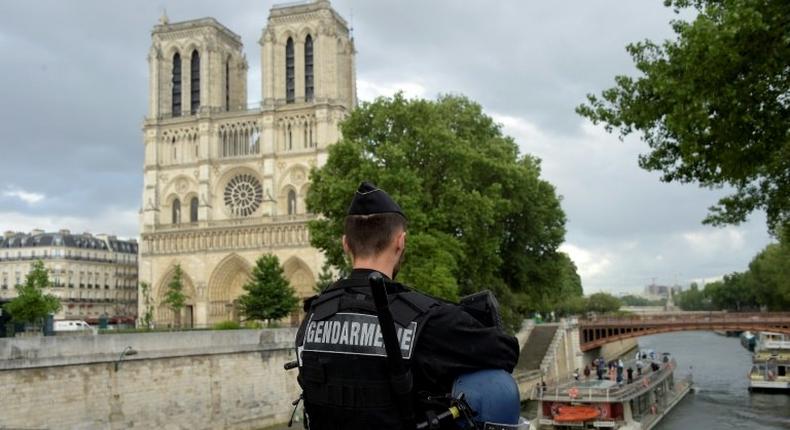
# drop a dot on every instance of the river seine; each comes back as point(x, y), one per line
point(722, 400)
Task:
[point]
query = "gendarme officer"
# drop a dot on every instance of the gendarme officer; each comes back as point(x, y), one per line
point(343, 366)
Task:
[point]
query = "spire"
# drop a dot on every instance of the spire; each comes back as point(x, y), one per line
point(163, 20)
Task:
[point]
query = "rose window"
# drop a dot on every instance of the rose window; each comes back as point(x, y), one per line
point(243, 195)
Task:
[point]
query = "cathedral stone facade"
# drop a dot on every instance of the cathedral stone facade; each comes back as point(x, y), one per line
point(224, 182)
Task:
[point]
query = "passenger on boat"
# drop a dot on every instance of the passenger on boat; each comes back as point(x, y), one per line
point(586, 372)
point(630, 372)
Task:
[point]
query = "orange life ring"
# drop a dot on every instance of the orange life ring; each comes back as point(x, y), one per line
point(576, 413)
point(573, 392)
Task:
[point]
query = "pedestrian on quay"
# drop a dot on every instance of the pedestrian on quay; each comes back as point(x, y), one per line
point(586, 372)
point(630, 373)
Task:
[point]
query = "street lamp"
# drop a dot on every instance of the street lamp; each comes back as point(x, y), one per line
point(126, 352)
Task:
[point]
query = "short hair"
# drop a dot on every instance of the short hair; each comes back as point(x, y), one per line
point(368, 235)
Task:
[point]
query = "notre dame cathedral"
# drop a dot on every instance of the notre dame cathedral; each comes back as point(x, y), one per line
point(224, 182)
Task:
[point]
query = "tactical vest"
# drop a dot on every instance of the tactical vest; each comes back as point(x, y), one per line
point(343, 368)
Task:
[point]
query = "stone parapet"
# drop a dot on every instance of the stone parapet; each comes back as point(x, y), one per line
point(35, 352)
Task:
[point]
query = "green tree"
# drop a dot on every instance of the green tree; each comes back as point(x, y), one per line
point(480, 217)
point(632, 300)
point(573, 305)
point(770, 274)
point(713, 105)
point(268, 295)
point(325, 278)
point(32, 305)
point(603, 303)
point(692, 299)
point(175, 298)
point(734, 292)
point(147, 316)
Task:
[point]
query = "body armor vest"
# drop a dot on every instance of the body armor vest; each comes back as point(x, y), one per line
point(343, 369)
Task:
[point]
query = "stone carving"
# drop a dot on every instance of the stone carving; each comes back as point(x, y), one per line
point(182, 186)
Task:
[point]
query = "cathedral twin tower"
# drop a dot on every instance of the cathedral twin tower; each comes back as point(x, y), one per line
point(225, 182)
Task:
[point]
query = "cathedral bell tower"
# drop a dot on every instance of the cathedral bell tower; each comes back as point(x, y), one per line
point(225, 182)
point(195, 65)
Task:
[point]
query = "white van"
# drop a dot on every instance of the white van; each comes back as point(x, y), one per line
point(73, 326)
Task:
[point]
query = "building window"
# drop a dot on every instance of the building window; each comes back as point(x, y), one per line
point(289, 71)
point(176, 105)
point(290, 138)
point(227, 84)
point(193, 209)
point(308, 69)
point(176, 211)
point(292, 202)
point(194, 84)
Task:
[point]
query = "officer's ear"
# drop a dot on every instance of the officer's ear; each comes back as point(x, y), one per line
point(401, 241)
point(346, 248)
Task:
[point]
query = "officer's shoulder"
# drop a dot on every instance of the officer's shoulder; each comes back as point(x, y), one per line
point(425, 302)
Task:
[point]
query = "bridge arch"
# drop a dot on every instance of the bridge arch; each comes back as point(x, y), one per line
point(598, 332)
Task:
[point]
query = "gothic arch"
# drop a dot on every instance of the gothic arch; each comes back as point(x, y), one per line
point(307, 31)
point(180, 186)
point(283, 36)
point(163, 315)
point(225, 286)
point(300, 276)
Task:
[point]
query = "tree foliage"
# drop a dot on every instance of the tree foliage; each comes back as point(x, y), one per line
point(603, 303)
point(713, 105)
point(268, 295)
point(32, 305)
point(175, 298)
point(631, 300)
point(325, 278)
point(765, 285)
point(147, 315)
point(480, 216)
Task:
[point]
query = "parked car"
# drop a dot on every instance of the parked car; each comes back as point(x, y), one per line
point(73, 326)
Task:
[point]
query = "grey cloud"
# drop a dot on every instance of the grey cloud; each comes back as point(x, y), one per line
point(74, 93)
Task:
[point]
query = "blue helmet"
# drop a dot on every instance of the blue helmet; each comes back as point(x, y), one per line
point(493, 395)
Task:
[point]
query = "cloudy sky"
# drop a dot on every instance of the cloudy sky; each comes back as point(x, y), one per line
point(74, 85)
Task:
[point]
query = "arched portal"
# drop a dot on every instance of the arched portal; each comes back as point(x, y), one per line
point(164, 316)
point(302, 281)
point(225, 286)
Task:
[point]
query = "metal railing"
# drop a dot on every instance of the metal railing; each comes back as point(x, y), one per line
point(625, 391)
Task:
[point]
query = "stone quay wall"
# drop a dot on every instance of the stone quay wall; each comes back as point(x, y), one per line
point(176, 380)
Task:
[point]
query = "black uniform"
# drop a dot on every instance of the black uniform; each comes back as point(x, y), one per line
point(343, 365)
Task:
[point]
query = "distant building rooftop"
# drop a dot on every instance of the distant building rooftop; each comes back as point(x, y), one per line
point(64, 238)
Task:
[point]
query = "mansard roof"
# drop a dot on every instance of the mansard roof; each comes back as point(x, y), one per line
point(67, 240)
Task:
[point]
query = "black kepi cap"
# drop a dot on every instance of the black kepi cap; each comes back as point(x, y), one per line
point(370, 199)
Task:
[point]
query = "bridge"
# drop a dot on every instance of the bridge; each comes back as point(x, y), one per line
point(596, 332)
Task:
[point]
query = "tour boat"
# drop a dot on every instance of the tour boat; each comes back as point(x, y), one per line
point(771, 363)
point(593, 403)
